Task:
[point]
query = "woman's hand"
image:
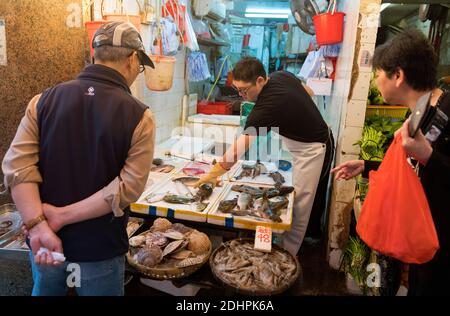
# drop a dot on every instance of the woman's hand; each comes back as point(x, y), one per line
point(348, 170)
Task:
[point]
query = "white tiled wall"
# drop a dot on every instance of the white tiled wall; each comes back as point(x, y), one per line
point(166, 106)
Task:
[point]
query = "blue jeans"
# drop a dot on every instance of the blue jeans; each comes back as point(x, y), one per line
point(99, 278)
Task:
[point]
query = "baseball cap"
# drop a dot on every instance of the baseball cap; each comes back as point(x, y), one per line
point(121, 34)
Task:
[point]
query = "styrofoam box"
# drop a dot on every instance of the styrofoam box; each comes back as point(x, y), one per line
point(167, 286)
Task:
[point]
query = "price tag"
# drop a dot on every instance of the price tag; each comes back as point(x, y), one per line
point(263, 239)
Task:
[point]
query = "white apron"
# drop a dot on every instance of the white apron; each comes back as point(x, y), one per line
point(308, 160)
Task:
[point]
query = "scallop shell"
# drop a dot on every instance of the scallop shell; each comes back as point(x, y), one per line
point(173, 234)
point(137, 241)
point(190, 261)
point(173, 246)
point(160, 225)
point(157, 239)
point(181, 228)
point(149, 256)
point(182, 254)
point(198, 242)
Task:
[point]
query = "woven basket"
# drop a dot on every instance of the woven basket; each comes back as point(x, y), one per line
point(166, 269)
point(253, 292)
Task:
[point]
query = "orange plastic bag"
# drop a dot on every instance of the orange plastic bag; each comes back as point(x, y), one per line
point(395, 218)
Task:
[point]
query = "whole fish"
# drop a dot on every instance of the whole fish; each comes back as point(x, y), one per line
point(280, 191)
point(178, 199)
point(244, 201)
point(189, 181)
point(204, 191)
point(158, 162)
point(162, 168)
point(255, 192)
point(277, 178)
point(278, 202)
point(259, 169)
point(227, 206)
point(262, 204)
point(244, 173)
point(154, 197)
point(241, 213)
point(285, 190)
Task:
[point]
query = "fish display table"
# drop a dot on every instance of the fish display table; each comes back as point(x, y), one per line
point(165, 197)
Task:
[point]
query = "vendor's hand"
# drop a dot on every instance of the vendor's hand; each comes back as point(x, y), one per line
point(212, 177)
point(418, 147)
point(207, 178)
point(42, 236)
point(54, 216)
point(348, 169)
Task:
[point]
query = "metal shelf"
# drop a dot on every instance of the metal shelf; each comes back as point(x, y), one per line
point(211, 42)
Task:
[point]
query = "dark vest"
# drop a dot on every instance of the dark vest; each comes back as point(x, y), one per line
point(85, 128)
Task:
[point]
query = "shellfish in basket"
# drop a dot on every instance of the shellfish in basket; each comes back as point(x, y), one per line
point(237, 264)
point(174, 252)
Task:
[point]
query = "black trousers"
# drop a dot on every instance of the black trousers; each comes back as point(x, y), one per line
point(431, 278)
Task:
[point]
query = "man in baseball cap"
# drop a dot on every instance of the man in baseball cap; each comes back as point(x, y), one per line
point(93, 140)
point(122, 34)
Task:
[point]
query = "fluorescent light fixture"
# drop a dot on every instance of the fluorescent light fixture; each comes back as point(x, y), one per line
point(266, 16)
point(384, 6)
point(267, 10)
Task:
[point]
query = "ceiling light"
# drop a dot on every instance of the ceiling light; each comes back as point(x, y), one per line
point(266, 16)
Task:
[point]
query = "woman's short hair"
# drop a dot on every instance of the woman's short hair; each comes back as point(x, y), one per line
point(412, 52)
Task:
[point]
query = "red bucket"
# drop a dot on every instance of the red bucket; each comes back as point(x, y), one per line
point(329, 28)
point(91, 28)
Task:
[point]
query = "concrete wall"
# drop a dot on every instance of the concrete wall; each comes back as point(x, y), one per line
point(39, 55)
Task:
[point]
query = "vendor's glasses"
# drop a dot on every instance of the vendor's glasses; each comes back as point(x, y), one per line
point(242, 91)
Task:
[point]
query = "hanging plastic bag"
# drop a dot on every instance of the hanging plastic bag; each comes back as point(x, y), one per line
point(331, 51)
point(170, 41)
point(198, 69)
point(395, 218)
point(311, 65)
point(191, 38)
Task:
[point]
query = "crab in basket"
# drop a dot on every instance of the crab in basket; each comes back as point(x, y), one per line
point(168, 245)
